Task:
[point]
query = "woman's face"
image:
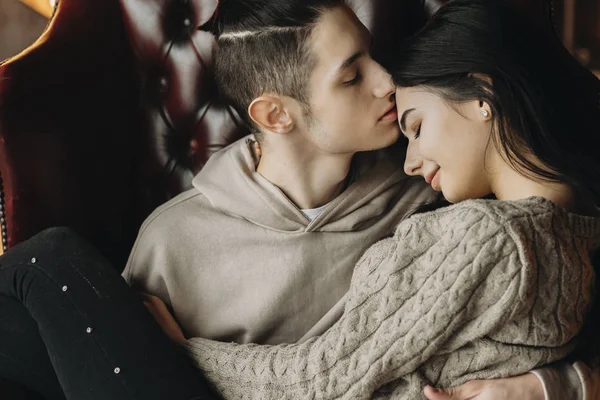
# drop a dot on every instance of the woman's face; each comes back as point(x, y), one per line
point(449, 144)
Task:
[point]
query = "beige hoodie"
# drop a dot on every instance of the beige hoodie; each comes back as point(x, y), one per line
point(238, 261)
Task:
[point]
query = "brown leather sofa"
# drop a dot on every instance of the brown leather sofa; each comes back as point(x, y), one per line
point(114, 109)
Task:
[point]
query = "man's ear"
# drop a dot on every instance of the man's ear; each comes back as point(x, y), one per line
point(270, 114)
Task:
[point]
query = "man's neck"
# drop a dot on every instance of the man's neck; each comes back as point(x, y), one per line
point(308, 180)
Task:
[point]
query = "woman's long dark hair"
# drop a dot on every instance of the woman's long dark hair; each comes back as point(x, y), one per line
point(543, 103)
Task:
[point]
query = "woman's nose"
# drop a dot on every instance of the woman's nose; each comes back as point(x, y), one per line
point(413, 164)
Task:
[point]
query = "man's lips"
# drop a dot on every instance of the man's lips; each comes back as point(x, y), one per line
point(390, 114)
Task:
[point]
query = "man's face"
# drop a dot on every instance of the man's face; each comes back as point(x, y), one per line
point(351, 97)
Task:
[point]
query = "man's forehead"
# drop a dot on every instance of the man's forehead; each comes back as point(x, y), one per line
point(338, 35)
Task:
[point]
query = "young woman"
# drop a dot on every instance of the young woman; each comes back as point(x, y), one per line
point(485, 288)
point(482, 288)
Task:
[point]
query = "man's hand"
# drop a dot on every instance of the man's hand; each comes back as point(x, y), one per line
point(524, 387)
point(161, 314)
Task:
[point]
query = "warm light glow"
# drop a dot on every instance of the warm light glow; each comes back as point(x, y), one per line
point(44, 7)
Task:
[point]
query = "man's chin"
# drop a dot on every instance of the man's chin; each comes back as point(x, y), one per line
point(388, 140)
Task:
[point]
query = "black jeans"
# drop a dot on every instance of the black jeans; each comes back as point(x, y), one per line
point(72, 328)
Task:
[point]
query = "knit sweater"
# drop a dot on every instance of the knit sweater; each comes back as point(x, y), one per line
point(482, 289)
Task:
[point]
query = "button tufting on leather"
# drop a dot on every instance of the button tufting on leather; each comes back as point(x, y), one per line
point(179, 17)
point(178, 148)
point(163, 85)
point(194, 145)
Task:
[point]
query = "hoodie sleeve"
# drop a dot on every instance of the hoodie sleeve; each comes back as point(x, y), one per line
point(128, 273)
point(135, 272)
point(569, 381)
point(412, 297)
point(146, 268)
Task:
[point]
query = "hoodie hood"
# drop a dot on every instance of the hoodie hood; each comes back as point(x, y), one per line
point(231, 184)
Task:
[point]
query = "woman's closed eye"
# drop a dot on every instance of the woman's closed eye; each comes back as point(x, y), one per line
point(417, 132)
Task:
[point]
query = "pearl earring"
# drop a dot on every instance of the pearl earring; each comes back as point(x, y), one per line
point(485, 113)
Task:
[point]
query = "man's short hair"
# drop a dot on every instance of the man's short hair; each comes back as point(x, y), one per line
point(263, 46)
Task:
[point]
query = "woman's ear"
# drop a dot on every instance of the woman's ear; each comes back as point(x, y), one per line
point(485, 111)
point(270, 114)
point(476, 110)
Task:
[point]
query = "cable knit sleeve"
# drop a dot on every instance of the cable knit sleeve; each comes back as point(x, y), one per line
point(444, 280)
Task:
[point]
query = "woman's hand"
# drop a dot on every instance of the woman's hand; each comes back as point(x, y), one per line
point(524, 387)
point(161, 314)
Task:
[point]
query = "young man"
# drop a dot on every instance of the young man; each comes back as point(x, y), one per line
point(262, 248)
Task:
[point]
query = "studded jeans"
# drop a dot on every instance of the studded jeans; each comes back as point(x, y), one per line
point(94, 339)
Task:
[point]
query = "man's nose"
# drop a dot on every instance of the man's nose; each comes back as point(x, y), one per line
point(384, 85)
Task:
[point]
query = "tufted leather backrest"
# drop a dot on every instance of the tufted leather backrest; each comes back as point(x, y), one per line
point(183, 120)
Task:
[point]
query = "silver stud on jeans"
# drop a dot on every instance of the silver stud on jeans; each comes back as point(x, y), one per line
point(89, 329)
point(33, 260)
point(65, 288)
point(117, 370)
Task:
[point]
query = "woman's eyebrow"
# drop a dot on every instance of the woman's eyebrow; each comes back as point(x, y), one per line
point(405, 114)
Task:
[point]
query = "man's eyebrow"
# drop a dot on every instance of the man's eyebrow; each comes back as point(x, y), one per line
point(349, 61)
point(403, 119)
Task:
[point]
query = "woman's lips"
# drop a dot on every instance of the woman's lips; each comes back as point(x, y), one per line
point(435, 182)
point(433, 178)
